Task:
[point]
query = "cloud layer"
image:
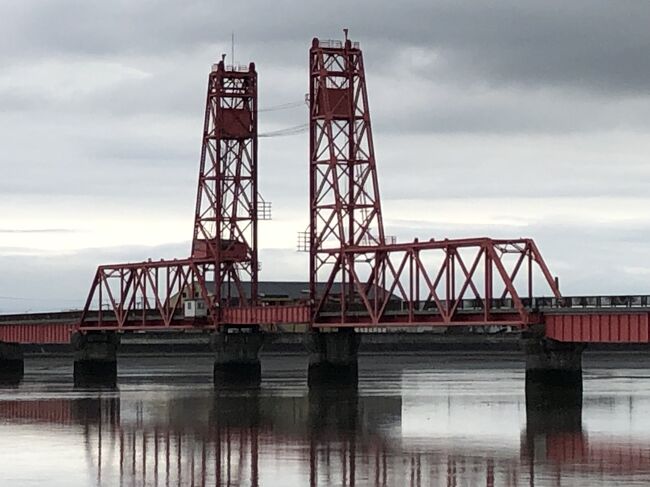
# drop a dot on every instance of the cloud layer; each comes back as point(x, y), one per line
point(511, 117)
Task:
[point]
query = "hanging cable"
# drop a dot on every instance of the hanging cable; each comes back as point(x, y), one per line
point(298, 129)
point(282, 106)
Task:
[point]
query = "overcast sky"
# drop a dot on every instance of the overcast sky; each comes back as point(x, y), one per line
point(499, 118)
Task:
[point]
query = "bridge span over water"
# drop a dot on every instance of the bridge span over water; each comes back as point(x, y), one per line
point(359, 276)
point(580, 319)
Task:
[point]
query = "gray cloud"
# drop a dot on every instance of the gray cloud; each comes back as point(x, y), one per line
point(586, 43)
point(101, 106)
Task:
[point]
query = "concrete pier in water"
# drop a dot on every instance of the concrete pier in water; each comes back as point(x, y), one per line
point(333, 357)
point(12, 364)
point(95, 358)
point(236, 355)
point(553, 372)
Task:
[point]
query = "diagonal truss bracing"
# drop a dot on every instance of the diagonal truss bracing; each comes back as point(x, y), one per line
point(345, 207)
point(223, 266)
point(477, 281)
point(225, 222)
point(356, 278)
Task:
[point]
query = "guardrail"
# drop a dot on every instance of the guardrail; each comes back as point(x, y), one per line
point(507, 304)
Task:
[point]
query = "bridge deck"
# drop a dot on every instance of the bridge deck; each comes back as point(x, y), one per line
point(587, 319)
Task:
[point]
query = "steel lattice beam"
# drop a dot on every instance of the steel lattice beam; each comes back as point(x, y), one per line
point(223, 266)
point(345, 207)
point(225, 223)
point(447, 282)
point(368, 282)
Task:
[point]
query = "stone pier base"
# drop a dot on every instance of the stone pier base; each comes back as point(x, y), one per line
point(12, 364)
point(553, 373)
point(236, 356)
point(333, 357)
point(95, 359)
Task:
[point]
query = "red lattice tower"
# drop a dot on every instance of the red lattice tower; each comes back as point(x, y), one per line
point(345, 209)
point(357, 278)
point(222, 270)
point(225, 224)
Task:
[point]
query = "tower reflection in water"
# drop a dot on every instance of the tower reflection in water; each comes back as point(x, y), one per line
point(326, 437)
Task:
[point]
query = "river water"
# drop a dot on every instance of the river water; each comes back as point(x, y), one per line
point(415, 420)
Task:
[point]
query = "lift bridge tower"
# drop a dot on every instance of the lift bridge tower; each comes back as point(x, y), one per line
point(223, 266)
point(345, 206)
point(225, 223)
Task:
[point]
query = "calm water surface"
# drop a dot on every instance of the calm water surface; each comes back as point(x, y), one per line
point(447, 420)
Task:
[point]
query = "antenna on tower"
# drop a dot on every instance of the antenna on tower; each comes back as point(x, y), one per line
point(345, 33)
point(232, 48)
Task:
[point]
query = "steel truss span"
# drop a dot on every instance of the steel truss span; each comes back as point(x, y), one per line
point(223, 265)
point(449, 282)
point(367, 281)
point(150, 295)
point(358, 276)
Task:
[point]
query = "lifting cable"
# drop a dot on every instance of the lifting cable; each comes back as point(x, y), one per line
point(282, 106)
point(295, 130)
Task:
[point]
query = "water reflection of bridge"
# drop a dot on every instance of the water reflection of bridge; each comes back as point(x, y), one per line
point(324, 438)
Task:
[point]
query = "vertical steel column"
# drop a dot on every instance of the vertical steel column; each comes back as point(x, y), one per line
point(225, 225)
point(345, 208)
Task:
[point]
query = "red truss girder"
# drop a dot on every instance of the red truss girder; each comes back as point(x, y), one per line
point(431, 282)
point(366, 281)
point(149, 295)
point(223, 265)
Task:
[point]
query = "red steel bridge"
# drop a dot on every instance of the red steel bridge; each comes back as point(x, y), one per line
point(358, 276)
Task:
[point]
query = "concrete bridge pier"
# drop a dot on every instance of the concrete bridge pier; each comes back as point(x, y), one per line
point(12, 364)
point(236, 355)
point(553, 373)
point(333, 357)
point(95, 358)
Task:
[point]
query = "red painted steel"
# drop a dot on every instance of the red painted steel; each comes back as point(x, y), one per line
point(225, 222)
point(345, 207)
point(36, 333)
point(271, 315)
point(223, 266)
point(366, 280)
point(599, 327)
point(149, 295)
